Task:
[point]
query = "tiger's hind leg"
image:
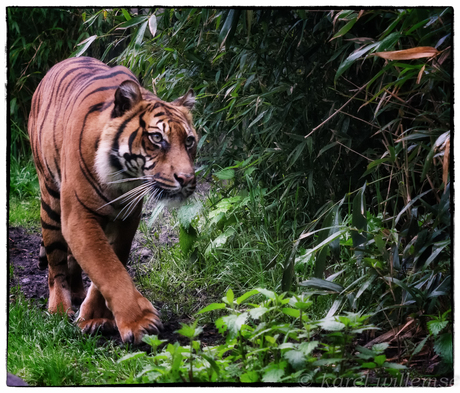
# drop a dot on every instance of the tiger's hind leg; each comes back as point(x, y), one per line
point(77, 289)
point(94, 315)
point(56, 249)
point(42, 259)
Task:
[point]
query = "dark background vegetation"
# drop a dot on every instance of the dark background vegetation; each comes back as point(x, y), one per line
point(334, 162)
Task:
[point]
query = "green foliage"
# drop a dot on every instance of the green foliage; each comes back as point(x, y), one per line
point(399, 272)
point(443, 343)
point(235, 235)
point(267, 341)
point(23, 178)
point(264, 101)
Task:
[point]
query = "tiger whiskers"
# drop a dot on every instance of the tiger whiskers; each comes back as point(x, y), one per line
point(134, 201)
point(133, 197)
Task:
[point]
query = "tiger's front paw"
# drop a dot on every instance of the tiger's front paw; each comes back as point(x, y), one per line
point(94, 325)
point(139, 321)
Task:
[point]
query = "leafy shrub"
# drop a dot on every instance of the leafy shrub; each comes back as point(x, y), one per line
point(273, 340)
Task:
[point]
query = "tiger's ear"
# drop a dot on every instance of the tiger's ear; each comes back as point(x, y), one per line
point(187, 100)
point(127, 95)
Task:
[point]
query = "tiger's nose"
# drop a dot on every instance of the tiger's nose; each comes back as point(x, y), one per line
point(184, 179)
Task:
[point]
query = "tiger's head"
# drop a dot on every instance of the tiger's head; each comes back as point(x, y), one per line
point(148, 146)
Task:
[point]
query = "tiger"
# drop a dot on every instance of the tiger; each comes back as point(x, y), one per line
point(101, 144)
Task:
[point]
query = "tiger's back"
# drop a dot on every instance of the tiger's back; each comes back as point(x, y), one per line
point(100, 144)
point(67, 95)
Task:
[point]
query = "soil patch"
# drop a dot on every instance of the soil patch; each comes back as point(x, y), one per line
point(23, 251)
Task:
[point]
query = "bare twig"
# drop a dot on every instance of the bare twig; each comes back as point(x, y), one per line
point(337, 111)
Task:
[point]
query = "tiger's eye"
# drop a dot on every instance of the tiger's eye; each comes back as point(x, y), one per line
point(189, 141)
point(156, 138)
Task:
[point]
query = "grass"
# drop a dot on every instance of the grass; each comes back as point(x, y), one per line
point(48, 350)
point(24, 200)
point(24, 212)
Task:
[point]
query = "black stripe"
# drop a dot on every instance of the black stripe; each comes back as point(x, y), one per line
point(96, 145)
point(131, 140)
point(97, 90)
point(87, 208)
point(51, 213)
point(56, 246)
point(45, 225)
point(142, 121)
point(93, 183)
point(50, 173)
point(115, 162)
point(147, 168)
point(53, 193)
point(102, 107)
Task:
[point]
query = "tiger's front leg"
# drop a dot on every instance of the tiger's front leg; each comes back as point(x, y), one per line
point(112, 300)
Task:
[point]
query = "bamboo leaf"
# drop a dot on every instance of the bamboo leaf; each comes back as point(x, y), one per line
point(226, 28)
point(153, 25)
point(348, 62)
point(257, 119)
point(323, 285)
point(133, 22)
point(359, 220)
point(328, 239)
point(86, 45)
point(345, 29)
point(288, 268)
point(140, 34)
point(249, 18)
point(126, 14)
point(410, 204)
point(327, 147)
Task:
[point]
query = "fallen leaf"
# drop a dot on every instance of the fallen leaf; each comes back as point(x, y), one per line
point(409, 54)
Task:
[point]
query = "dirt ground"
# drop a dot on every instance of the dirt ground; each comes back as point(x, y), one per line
point(23, 250)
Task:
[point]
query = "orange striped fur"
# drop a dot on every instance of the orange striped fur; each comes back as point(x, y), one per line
point(101, 144)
